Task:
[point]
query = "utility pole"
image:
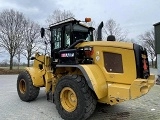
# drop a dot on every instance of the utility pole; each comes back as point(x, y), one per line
point(157, 48)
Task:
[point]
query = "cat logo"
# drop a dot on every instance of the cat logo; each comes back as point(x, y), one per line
point(67, 55)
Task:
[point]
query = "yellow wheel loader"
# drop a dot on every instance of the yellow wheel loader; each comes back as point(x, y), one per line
point(81, 71)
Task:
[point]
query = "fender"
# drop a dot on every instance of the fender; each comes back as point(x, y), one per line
point(94, 77)
point(36, 75)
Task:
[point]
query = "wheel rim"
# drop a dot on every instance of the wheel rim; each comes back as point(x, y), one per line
point(22, 86)
point(68, 99)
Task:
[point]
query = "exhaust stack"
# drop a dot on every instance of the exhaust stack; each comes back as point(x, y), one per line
point(99, 38)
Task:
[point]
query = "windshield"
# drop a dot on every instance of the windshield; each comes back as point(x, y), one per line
point(81, 35)
point(81, 32)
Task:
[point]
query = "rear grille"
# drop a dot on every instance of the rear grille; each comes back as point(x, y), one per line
point(142, 64)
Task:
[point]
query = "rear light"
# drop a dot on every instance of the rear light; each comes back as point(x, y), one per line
point(145, 66)
point(87, 55)
point(88, 51)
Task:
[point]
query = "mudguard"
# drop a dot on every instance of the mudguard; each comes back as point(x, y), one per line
point(94, 77)
point(36, 75)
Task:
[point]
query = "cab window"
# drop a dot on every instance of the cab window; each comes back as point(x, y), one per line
point(56, 37)
point(67, 36)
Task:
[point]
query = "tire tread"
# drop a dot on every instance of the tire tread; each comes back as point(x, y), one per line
point(89, 96)
point(32, 91)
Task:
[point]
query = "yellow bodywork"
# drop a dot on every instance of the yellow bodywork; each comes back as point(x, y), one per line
point(109, 87)
point(41, 77)
point(121, 92)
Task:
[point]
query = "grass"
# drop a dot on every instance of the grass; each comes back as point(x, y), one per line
point(6, 70)
point(15, 67)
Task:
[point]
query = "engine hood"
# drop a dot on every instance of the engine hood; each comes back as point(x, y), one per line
point(124, 45)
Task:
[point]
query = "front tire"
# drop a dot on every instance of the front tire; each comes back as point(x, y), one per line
point(25, 88)
point(74, 99)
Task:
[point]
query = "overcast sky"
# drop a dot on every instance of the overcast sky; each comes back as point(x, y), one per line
point(135, 16)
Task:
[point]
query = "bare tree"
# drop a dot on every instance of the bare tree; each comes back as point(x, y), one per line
point(11, 31)
point(4, 63)
point(56, 16)
point(59, 15)
point(112, 28)
point(30, 37)
point(148, 41)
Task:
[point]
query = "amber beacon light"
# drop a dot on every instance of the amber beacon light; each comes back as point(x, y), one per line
point(87, 19)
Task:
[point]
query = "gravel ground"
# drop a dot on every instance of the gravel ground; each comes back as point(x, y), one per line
point(146, 107)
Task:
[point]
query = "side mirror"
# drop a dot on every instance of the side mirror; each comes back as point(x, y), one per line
point(32, 58)
point(42, 32)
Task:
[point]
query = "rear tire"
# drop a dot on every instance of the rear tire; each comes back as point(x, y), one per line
point(74, 99)
point(25, 88)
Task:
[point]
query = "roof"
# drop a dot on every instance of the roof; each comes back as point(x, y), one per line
point(68, 20)
point(63, 21)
